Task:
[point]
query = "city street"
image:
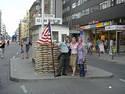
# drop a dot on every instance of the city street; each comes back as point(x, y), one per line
point(114, 85)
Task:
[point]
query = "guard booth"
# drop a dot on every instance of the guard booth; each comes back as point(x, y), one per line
point(119, 32)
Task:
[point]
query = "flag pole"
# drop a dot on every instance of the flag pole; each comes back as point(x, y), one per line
point(52, 52)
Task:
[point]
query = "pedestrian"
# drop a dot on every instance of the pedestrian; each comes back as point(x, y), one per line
point(22, 49)
point(63, 57)
point(8, 42)
point(73, 56)
point(106, 45)
point(97, 47)
point(81, 55)
point(101, 47)
point(27, 43)
point(89, 43)
point(111, 45)
point(2, 45)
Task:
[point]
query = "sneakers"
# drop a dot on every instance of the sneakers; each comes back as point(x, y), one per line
point(58, 75)
point(64, 74)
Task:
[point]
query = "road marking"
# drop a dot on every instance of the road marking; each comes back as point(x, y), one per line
point(24, 89)
point(110, 87)
point(13, 57)
point(122, 80)
point(17, 53)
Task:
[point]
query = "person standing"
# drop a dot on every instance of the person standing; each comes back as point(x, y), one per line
point(81, 54)
point(63, 57)
point(111, 45)
point(89, 43)
point(2, 45)
point(101, 47)
point(73, 56)
point(97, 47)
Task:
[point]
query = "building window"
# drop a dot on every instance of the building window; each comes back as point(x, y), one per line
point(55, 36)
point(64, 1)
point(105, 4)
point(78, 3)
point(85, 12)
point(74, 5)
point(94, 9)
point(76, 15)
point(120, 1)
point(83, 1)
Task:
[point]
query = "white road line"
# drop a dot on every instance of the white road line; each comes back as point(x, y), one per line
point(17, 53)
point(24, 89)
point(13, 57)
point(122, 80)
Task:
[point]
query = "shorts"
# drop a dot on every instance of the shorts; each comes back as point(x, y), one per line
point(73, 59)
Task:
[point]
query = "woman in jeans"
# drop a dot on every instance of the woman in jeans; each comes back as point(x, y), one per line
point(81, 56)
point(73, 56)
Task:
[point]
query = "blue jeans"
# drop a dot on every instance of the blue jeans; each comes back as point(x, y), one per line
point(82, 72)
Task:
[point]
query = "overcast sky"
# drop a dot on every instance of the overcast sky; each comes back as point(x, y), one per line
point(13, 11)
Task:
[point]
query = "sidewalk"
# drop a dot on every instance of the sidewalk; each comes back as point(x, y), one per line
point(120, 59)
point(23, 70)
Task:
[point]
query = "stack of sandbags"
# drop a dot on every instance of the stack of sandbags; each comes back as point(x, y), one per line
point(44, 59)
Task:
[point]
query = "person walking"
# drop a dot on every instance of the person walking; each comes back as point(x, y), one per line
point(81, 54)
point(22, 49)
point(73, 56)
point(2, 45)
point(27, 43)
point(8, 42)
point(63, 57)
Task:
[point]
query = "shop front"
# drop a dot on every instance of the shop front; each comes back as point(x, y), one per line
point(117, 33)
point(96, 31)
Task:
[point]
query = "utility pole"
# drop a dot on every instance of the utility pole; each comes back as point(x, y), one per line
point(42, 15)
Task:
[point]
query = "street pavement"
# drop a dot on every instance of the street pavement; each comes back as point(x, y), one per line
point(118, 58)
point(22, 69)
point(114, 85)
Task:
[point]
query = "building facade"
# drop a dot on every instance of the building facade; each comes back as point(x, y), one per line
point(0, 20)
point(94, 16)
point(52, 13)
point(24, 27)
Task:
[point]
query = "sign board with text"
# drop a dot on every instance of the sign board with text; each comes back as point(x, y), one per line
point(38, 20)
point(115, 27)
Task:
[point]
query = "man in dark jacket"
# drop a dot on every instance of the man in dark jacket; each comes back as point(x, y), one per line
point(2, 45)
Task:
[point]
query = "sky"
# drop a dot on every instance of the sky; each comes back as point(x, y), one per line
point(13, 11)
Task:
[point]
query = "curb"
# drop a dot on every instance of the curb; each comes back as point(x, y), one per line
point(51, 77)
point(60, 78)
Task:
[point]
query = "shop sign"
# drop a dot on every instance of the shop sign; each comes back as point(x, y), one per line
point(85, 27)
point(107, 23)
point(38, 20)
point(99, 25)
point(88, 26)
point(93, 26)
point(115, 27)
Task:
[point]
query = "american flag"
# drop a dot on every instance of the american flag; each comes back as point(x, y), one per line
point(45, 36)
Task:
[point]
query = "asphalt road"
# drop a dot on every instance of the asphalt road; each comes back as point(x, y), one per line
point(115, 85)
point(117, 69)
